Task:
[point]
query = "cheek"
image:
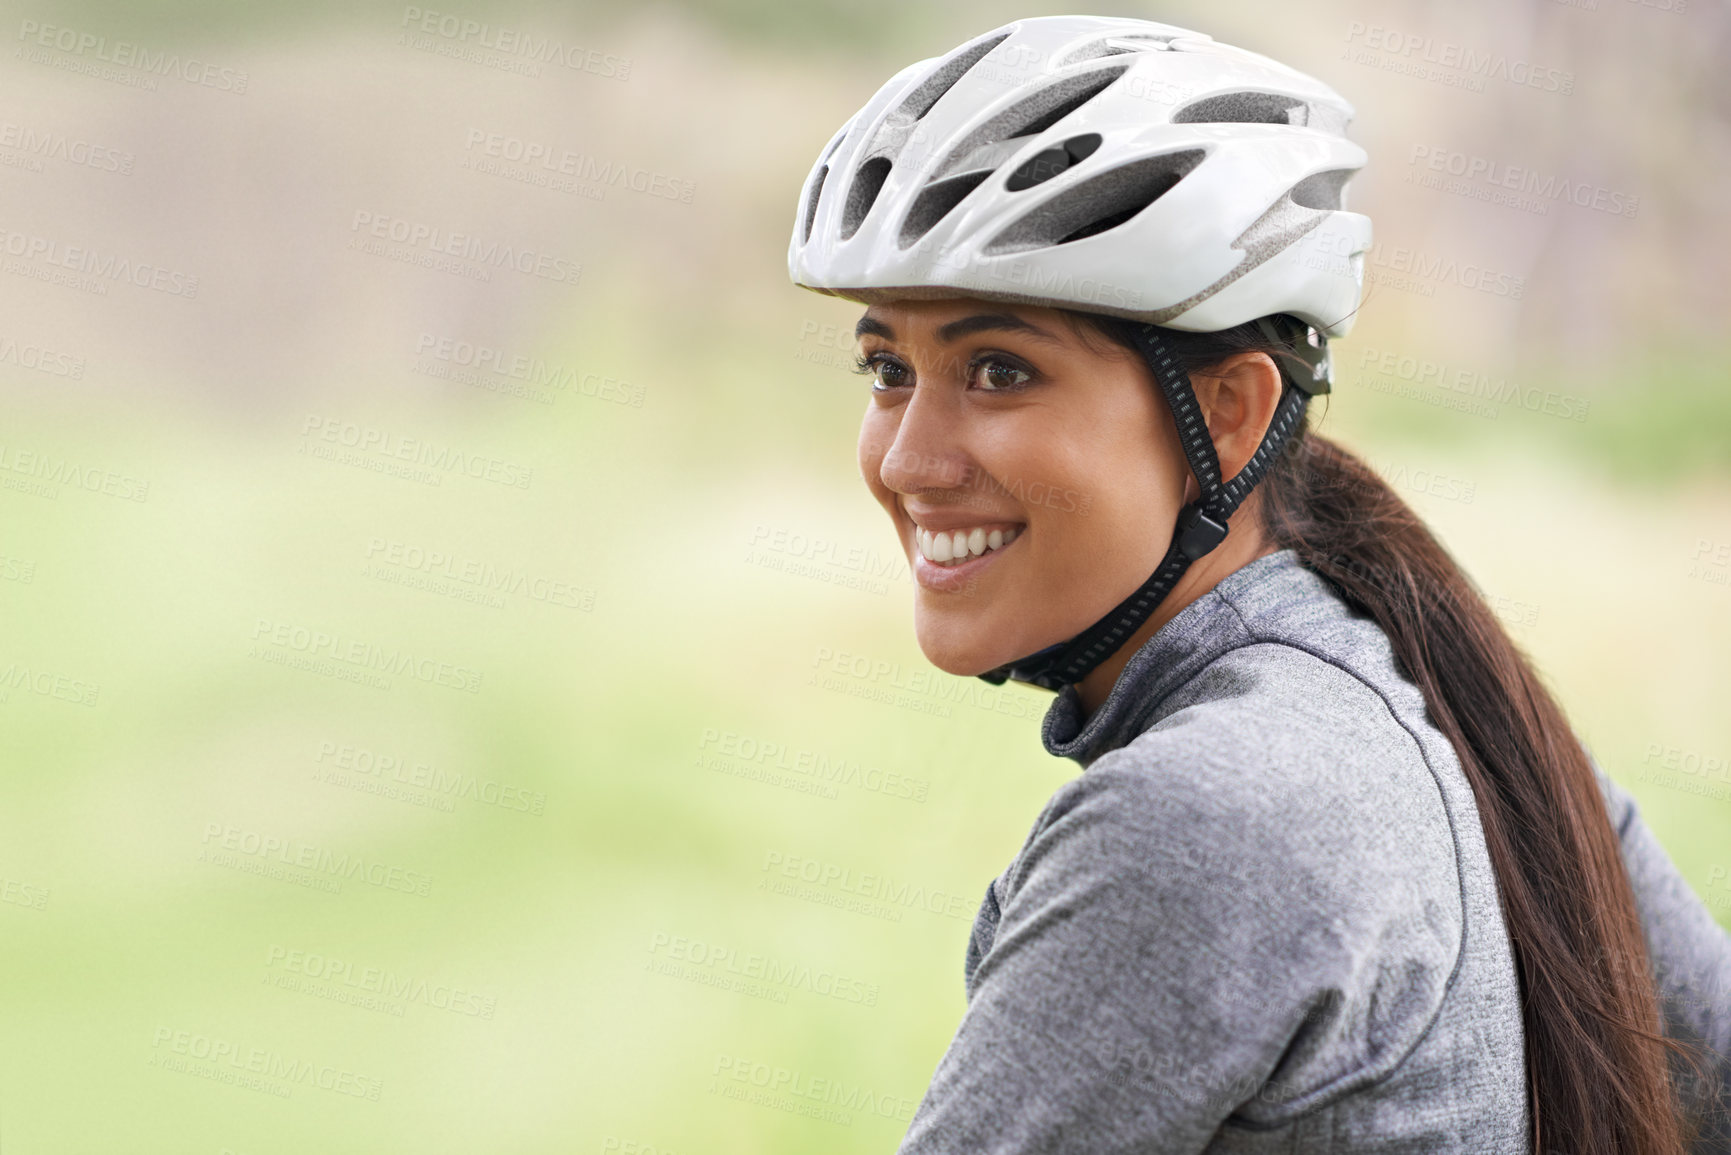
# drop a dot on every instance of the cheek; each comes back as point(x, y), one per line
point(1115, 495)
point(877, 433)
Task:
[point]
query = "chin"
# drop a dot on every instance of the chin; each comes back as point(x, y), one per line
point(966, 653)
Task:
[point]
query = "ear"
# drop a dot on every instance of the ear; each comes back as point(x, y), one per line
point(1238, 398)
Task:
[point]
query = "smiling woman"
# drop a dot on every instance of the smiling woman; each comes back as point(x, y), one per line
point(1338, 876)
point(979, 415)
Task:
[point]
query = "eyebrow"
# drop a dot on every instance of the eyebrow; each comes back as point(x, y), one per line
point(870, 324)
point(955, 330)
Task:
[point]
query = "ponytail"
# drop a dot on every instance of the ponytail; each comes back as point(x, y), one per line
point(1597, 1058)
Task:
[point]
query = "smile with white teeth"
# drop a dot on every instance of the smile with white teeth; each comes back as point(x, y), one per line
point(954, 548)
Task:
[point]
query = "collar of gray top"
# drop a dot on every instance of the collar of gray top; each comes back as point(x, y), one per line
point(1219, 620)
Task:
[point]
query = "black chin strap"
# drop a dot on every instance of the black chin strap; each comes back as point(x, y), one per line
point(1201, 524)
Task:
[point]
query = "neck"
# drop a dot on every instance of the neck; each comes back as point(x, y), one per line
point(1244, 543)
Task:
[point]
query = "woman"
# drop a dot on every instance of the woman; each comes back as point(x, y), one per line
point(1338, 876)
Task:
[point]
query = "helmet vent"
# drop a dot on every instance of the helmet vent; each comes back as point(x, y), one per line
point(1045, 165)
point(811, 201)
point(1054, 102)
point(867, 183)
point(1324, 190)
point(935, 202)
point(944, 77)
point(1097, 204)
point(1118, 44)
point(1244, 108)
point(982, 148)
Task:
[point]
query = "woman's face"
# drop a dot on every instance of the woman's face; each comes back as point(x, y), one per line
point(998, 423)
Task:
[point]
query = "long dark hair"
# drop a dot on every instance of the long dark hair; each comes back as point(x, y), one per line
point(1597, 1058)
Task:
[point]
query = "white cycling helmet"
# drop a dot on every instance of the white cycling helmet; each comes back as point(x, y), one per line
point(1114, 165)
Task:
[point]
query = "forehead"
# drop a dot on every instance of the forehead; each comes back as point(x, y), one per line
point(926, 317)
point(937, 310)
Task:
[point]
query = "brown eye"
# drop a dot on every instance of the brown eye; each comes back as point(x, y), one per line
point(886, 373)
point(998, 376)
point(892, 374)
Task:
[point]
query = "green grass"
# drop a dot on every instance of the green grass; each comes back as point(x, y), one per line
point(555, 916)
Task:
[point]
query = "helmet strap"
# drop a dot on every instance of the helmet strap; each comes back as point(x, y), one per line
point(1201, 523)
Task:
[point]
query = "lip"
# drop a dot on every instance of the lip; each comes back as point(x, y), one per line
point(956, 578)
point(939, 521)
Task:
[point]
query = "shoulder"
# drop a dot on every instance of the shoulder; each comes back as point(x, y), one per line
point(1299, 746)
point(1283, 799)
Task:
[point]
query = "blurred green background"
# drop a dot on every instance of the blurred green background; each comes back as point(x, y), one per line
point(401, 754)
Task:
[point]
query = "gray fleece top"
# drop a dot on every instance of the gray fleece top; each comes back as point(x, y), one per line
point(1264, 919)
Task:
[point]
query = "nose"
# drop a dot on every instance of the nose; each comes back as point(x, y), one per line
point(928, 450)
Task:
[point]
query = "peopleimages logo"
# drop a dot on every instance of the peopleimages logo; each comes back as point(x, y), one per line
point(96, 263)
point(831, 1100)
point(1484, 178)
point(224, 844)
point(840, 770)
point(679, 957)
point(418, 235)
point(532, 371)
point(312, 973)
point(273, 640)
point(19, 678)
point(125, 54)
point(393, 447)
point(823, 551)
point(580, 166)
point(259, 1068)
point(924, 691)
point(382, 767)
point(1469, 382)
point(1406, 49)
point(43, 144)
point(1401, 262)
point(58, 471)
point(888, 889)
point(39, 358)
point(460, 31)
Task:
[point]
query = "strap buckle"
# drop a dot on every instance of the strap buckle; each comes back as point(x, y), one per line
point(1314, 371)
point(1198, 533)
